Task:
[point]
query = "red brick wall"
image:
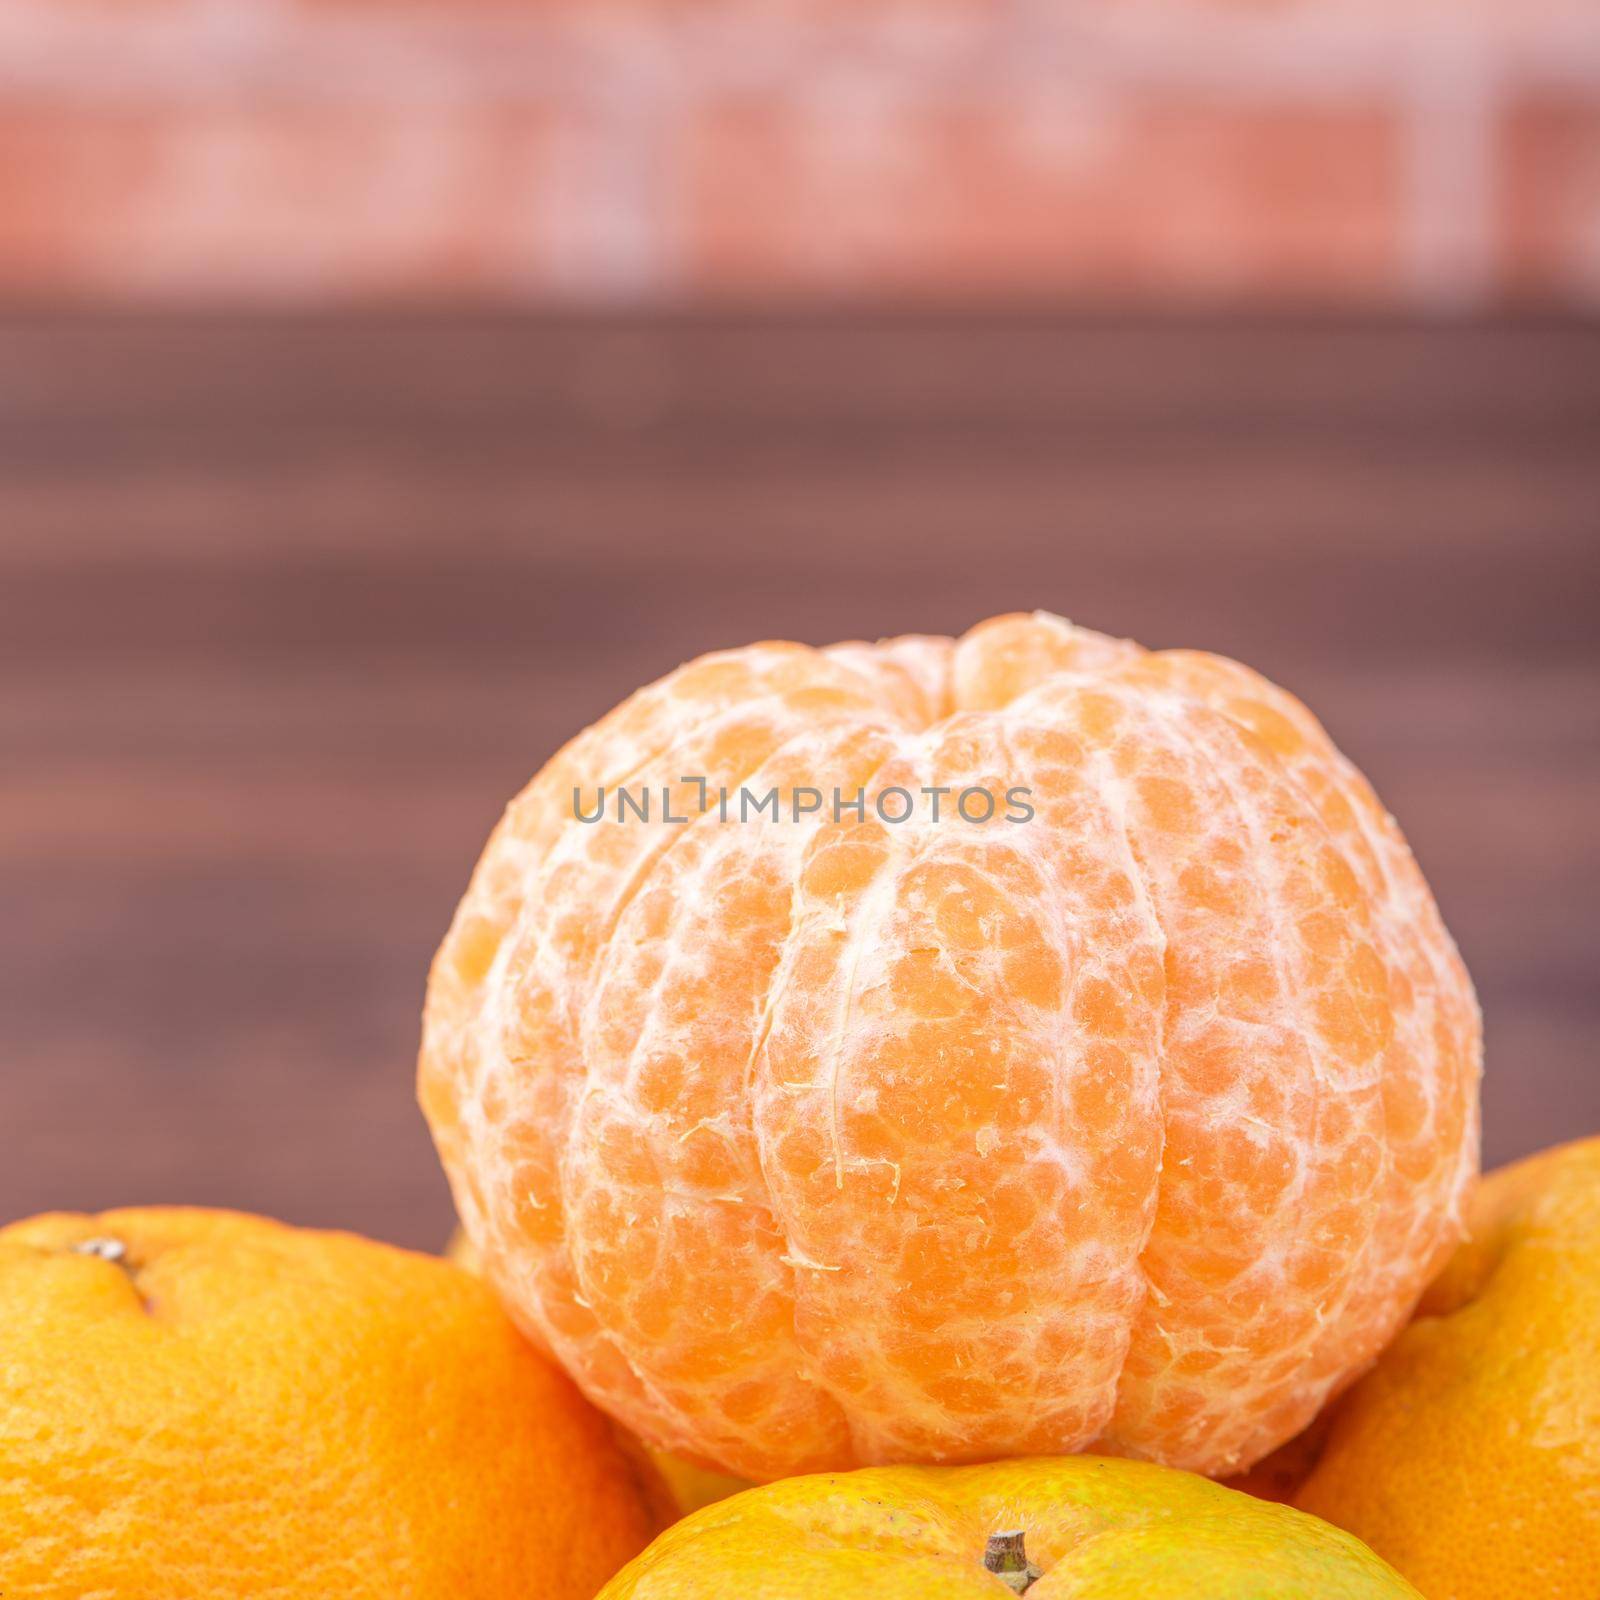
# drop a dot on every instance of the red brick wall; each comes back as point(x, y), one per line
point(1419, 151)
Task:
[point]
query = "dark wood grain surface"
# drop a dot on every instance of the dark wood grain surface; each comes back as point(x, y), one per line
point(288, 609)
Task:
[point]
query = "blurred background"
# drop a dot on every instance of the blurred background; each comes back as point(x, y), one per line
point(388, 388)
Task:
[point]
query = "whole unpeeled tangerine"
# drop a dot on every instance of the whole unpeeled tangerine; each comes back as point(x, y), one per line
point(198, 1404)
point(1079, 1528)
point(1138, 1124)
point(1470, 1456)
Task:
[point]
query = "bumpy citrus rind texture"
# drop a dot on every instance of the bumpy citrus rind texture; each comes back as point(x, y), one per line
point(237, 1408)
point(1137, 1126)
point(1095, 1529)
point(1470, 1456)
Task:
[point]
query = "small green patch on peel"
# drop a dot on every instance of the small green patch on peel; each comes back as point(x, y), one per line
point(1097, 1528)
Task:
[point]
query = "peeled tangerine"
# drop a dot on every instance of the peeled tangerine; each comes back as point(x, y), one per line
point(1132, 1118)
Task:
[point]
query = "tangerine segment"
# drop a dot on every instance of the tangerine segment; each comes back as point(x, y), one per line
point(959, 1085)
point(828, 1140)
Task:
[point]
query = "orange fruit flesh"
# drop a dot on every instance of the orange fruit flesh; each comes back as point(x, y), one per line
point(1138, 1125)
point(689, 1487)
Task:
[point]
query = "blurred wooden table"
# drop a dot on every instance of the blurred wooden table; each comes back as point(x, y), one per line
point(289, 608)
